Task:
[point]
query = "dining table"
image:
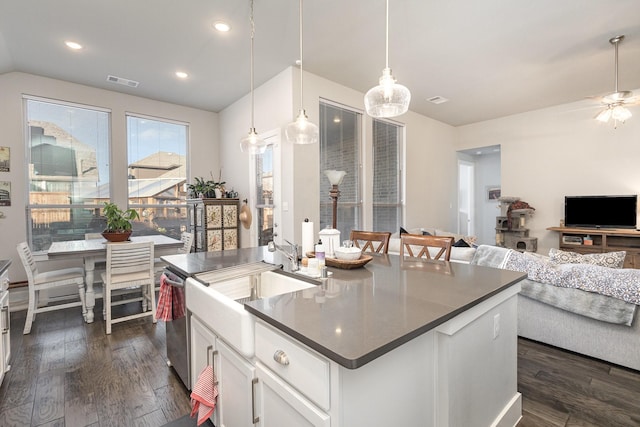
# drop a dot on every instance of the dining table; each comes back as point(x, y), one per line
point(92, 250)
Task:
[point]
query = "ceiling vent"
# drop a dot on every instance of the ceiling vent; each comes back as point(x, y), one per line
point(120, 80)
point(437, 100)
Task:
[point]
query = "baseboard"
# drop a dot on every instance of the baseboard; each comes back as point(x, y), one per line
point(510, 414)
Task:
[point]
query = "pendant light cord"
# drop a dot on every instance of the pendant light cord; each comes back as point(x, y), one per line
point(387, 38)
point(616, 64)
point(301, 73)
point(253, 30)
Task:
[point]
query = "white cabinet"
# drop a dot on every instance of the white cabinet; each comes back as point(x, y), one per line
point(279, 404)
point(5, 341)
point(234, 375)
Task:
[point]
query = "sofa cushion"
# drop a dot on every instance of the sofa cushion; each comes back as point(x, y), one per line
point(607, 259)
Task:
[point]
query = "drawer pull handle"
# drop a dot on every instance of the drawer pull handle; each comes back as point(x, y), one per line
point(281, 357)
point(255, 420)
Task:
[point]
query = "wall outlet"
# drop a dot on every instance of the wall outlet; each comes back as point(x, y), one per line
point(496, 326)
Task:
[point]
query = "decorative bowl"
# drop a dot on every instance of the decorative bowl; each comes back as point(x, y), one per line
point(348, 254)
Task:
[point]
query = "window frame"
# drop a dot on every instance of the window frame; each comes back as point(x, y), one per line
point(30, 207)
point(142, 207)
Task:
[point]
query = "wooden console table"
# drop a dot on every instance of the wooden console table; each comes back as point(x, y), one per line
point(602, 240)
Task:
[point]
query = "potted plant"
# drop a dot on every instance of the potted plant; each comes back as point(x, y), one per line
point(118, 222)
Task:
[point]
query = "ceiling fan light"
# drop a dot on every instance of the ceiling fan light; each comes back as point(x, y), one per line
point(620, 113)
point(604, 115)
point(302, 131)
point(388, 99)
point(252, 143)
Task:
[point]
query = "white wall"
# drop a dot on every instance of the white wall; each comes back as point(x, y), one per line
point(487, 172)
point(550, 153)
point(203, 128)
point(273, 110)
point(431, 192)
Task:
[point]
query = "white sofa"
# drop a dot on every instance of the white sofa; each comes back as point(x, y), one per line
point(458, 254)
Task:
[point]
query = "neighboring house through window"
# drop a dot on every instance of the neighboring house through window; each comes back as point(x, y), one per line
point(340, 149)
point(157, 174)
point(67, 148)
point(387, 176)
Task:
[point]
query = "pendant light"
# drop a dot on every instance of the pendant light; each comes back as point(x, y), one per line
point(388, 99)
point(252, 143)
point(302, 131)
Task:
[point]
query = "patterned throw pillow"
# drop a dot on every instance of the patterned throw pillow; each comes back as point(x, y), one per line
point(607, 259)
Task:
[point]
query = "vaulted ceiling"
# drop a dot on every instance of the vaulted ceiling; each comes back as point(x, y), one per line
point(489, 58)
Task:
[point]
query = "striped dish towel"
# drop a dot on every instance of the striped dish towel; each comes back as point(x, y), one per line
point(164, 311)
point(204, 394)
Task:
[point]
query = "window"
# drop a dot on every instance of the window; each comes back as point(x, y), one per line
point(264, 195)
point(157, 169)
point(340, 147)
point(387, 183)
point(67, 148)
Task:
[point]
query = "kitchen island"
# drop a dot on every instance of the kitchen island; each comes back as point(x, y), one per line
point(398, 342)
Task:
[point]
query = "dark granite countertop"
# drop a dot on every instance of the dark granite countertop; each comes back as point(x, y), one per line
point(357, 315)
point(4, 264)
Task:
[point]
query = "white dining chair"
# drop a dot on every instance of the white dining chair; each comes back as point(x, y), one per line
point(187, 244)
point(48, 280)
point(129, 265)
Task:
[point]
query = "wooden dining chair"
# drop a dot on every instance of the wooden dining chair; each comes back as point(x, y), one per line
point(421, 245)
point(43, 281)
point(159, 265)
point(371, 241)
point(129, 265)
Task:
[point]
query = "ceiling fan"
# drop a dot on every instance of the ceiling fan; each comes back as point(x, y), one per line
point(616, 102)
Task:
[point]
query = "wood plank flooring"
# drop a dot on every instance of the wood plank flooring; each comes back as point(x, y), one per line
point(561, 388)
point(68, 373)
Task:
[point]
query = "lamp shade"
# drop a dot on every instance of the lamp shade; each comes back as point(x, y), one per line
point(252, 143)
point(335, 177)
point(388, 99)
point(302, 131)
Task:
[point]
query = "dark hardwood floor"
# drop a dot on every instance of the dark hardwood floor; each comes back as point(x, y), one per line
point(68, 373)
point(561, 388)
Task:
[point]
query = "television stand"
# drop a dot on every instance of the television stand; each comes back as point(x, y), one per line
point(601, 240)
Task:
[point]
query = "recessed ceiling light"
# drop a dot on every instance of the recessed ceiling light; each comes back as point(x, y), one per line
point(73, 45)
point(181, 74)
point(223, 27)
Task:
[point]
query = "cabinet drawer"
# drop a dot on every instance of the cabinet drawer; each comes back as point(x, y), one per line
point(305, 370)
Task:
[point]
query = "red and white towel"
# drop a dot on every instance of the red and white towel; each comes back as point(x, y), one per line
point(170, 302)
point(204, 394)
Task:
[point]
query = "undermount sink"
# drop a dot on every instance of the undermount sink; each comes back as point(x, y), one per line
point(220, 305)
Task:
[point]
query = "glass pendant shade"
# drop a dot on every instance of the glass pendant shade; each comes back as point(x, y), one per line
point(388, 99)
point(335, 177)
point(252, 143)
point(302, 131)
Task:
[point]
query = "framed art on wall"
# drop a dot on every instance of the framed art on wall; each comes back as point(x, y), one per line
point(493, 192)
point(5, 159)
point(5, 193)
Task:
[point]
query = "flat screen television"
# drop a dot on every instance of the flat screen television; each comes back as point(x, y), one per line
point(600, 211)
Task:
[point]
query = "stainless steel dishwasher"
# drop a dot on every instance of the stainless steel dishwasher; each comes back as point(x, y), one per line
point(177, 330)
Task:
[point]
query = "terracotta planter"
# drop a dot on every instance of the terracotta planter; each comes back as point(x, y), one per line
point(116, 236)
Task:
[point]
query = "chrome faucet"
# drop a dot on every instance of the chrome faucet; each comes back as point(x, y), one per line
point(292, 256)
